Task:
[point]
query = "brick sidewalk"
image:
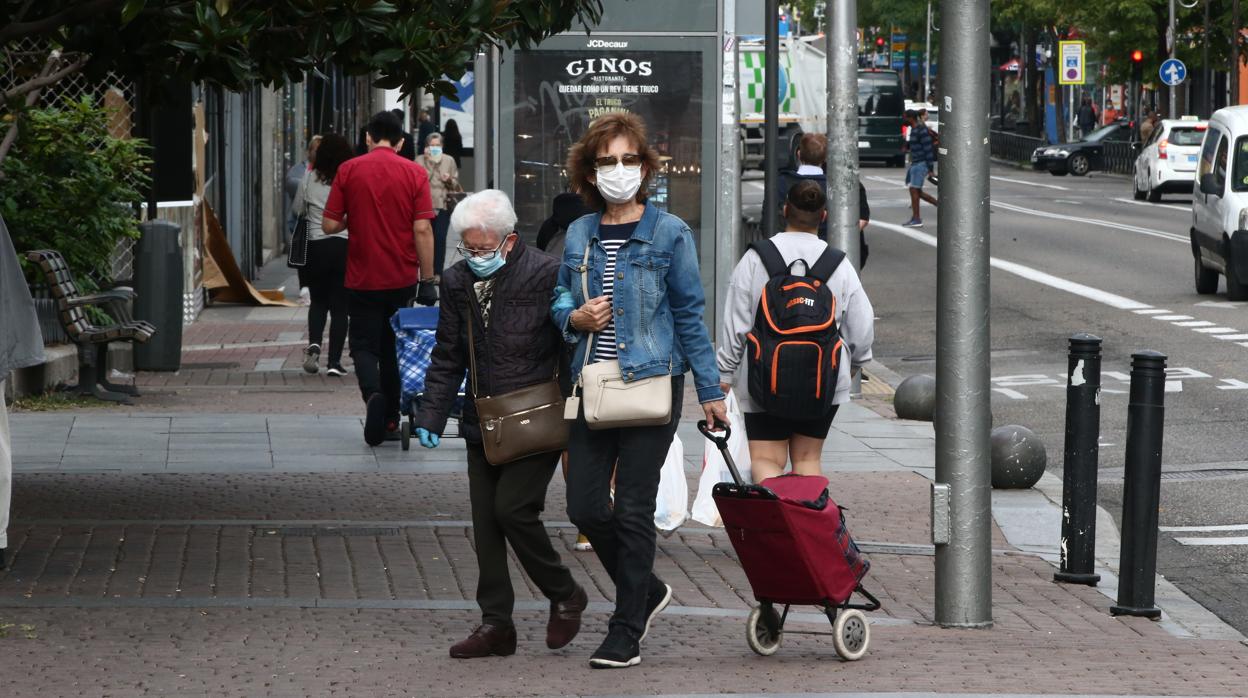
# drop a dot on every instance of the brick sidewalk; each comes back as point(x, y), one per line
point(229, 553)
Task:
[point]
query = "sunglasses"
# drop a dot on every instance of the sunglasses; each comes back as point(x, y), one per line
point(609, 161)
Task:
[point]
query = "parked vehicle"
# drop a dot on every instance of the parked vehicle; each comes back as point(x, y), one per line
point(880, 106)
point(1220, 205)
point(1166, 163)
point(1081, 157)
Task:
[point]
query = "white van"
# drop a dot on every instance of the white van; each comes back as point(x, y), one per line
point(1220, 205)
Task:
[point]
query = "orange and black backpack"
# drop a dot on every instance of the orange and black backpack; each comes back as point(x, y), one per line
point(794, 348)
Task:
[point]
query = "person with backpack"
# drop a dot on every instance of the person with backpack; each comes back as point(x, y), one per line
point(797, 323)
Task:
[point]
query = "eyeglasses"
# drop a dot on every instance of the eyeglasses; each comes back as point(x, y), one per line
point(609, 161)
point(483, 255)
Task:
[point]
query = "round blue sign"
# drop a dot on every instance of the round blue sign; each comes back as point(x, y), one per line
point(1172, 71)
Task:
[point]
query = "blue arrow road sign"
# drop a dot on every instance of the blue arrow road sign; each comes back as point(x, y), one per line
point(1172, 71)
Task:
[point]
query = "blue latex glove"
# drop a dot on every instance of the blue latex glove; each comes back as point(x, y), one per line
point(561, 300)
point(427, 438)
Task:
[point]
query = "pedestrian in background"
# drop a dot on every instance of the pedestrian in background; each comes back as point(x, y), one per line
point(294, 176)
point(812, 155)
point(409, 146)
point(775, 440)
point(21, 345)
point(644, 308)
point(492, 290)
point(386, 201)
point(922, 165)
point(326, 270)
point(444, 187)
point(424, 127)
point(1148, 126)
point(453, 141)
point(1086, 117)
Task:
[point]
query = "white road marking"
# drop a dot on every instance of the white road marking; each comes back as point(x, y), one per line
point(1111, 299)
point(1094, 221)
point(1011, 394)
point(1233, 384)
point(1203, 529)
point(1233, 337)
point(1216, 330)
point(1172, 318)
point(885, 180)
point(1231, 540)
point(1194, 323)
point(1184, 209)
point(1151, 311)
point(1174, 386)
point(1232, 305)
point(1185, 372)
point(1030, 184)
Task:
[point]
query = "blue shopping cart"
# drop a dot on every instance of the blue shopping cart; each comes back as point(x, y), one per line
point(414, 336)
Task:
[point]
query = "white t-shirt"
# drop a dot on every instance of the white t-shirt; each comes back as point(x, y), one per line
point(310, 200)
point(855, 316)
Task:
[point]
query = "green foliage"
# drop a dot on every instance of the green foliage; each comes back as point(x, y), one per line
point(70, 186)
point(237, 43)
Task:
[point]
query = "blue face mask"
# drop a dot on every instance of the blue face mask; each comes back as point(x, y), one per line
point(485, 268)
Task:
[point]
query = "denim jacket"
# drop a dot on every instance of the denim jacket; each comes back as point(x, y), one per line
point(657, 300)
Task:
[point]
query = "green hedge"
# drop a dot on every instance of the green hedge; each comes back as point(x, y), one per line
point(71, 186)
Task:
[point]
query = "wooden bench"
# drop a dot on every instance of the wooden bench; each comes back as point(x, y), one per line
point(92, 340)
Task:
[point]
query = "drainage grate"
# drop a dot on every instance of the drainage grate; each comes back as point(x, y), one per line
point(312, 531)
point(1203, 474)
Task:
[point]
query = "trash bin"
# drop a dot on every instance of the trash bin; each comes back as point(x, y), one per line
point(158, 295)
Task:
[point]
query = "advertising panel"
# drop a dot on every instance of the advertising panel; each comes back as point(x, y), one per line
point(559, 92)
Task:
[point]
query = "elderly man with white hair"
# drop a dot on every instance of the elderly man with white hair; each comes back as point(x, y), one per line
point(502, 290)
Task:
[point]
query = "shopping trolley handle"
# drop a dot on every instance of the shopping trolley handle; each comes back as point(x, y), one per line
point(708, 432)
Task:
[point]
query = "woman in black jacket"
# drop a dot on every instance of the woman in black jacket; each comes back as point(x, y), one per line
point(503, 289)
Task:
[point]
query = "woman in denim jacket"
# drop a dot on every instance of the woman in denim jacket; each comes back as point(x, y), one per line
point(644, 310)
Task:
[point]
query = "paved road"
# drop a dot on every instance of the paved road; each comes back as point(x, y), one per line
point(1074, 255)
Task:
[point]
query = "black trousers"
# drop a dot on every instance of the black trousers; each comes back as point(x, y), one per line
point(507, 503)
point(441, 226)
point(623, 537)
point(325, 273)
point(372, 341)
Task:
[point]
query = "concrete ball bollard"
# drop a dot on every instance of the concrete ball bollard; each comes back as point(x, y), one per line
point(1018, 457)
point(915, 398)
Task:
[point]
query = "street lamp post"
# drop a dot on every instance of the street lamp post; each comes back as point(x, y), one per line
point(842, 163)
point(963, 486)
point(1170, 46)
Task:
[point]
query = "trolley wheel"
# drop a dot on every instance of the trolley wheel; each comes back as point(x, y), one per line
point(851, 634)
point(405, 434)
point(759, 638)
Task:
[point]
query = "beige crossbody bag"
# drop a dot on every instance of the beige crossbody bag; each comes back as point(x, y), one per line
point(609, 401)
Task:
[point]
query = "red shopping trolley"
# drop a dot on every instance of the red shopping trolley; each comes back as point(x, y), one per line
point(796, 550)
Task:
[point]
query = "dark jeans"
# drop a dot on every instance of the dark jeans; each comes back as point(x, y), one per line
point(325, 273)
point(507, 503)
point(623, 537)
point(441, 226)
point(372, 341)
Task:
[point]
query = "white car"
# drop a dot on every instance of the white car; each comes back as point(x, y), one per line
point(1166, 163)
point(1220, 205)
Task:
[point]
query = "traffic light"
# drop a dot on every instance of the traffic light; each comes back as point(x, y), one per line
point(1137, 65)
point(1137, 56)
point(879, 42)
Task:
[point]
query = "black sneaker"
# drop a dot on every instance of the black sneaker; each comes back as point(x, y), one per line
point(311, 357)
point(618, 651)
point(335, 370)
point(375, 419)
point(655, 603)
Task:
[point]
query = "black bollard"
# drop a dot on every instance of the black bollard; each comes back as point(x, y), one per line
point(1079, 468)
point(1141, 494)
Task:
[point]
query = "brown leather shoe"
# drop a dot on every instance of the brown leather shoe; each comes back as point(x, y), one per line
point(565, 618)
point(485, 641)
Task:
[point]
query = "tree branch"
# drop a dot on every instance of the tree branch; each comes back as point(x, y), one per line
point(36, 27)
point(45, 79)
point(32, 96)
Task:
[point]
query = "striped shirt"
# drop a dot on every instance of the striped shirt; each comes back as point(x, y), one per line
point(612, 238)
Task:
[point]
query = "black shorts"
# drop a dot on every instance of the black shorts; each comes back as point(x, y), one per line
point(760, 426)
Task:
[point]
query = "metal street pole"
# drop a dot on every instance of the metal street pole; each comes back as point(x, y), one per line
point(1208, 67)
point(1233, 73)
point(842, 163)
point(927, 59)
point(963, 419)
point(771, 118)
point(1172, 43)
point(728, 246)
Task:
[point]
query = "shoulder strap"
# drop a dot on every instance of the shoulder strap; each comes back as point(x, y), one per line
point(773, 261)
point(827, 263)
point(589, 341)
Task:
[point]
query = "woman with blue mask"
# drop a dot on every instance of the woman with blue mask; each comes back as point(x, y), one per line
point(640, 304)
point(502, 290)
point(444, 187)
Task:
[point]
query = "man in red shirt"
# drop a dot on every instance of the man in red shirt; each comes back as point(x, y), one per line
point(385, 200)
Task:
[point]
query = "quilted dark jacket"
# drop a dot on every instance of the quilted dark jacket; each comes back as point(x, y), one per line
point(520, 348)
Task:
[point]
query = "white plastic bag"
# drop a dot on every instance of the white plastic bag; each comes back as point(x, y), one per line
point(715, 470)
point(672, 506)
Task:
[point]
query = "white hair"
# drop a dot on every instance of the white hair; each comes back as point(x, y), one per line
point(488, 210)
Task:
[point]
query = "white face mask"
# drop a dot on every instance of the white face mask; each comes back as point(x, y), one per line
point(619, 184)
